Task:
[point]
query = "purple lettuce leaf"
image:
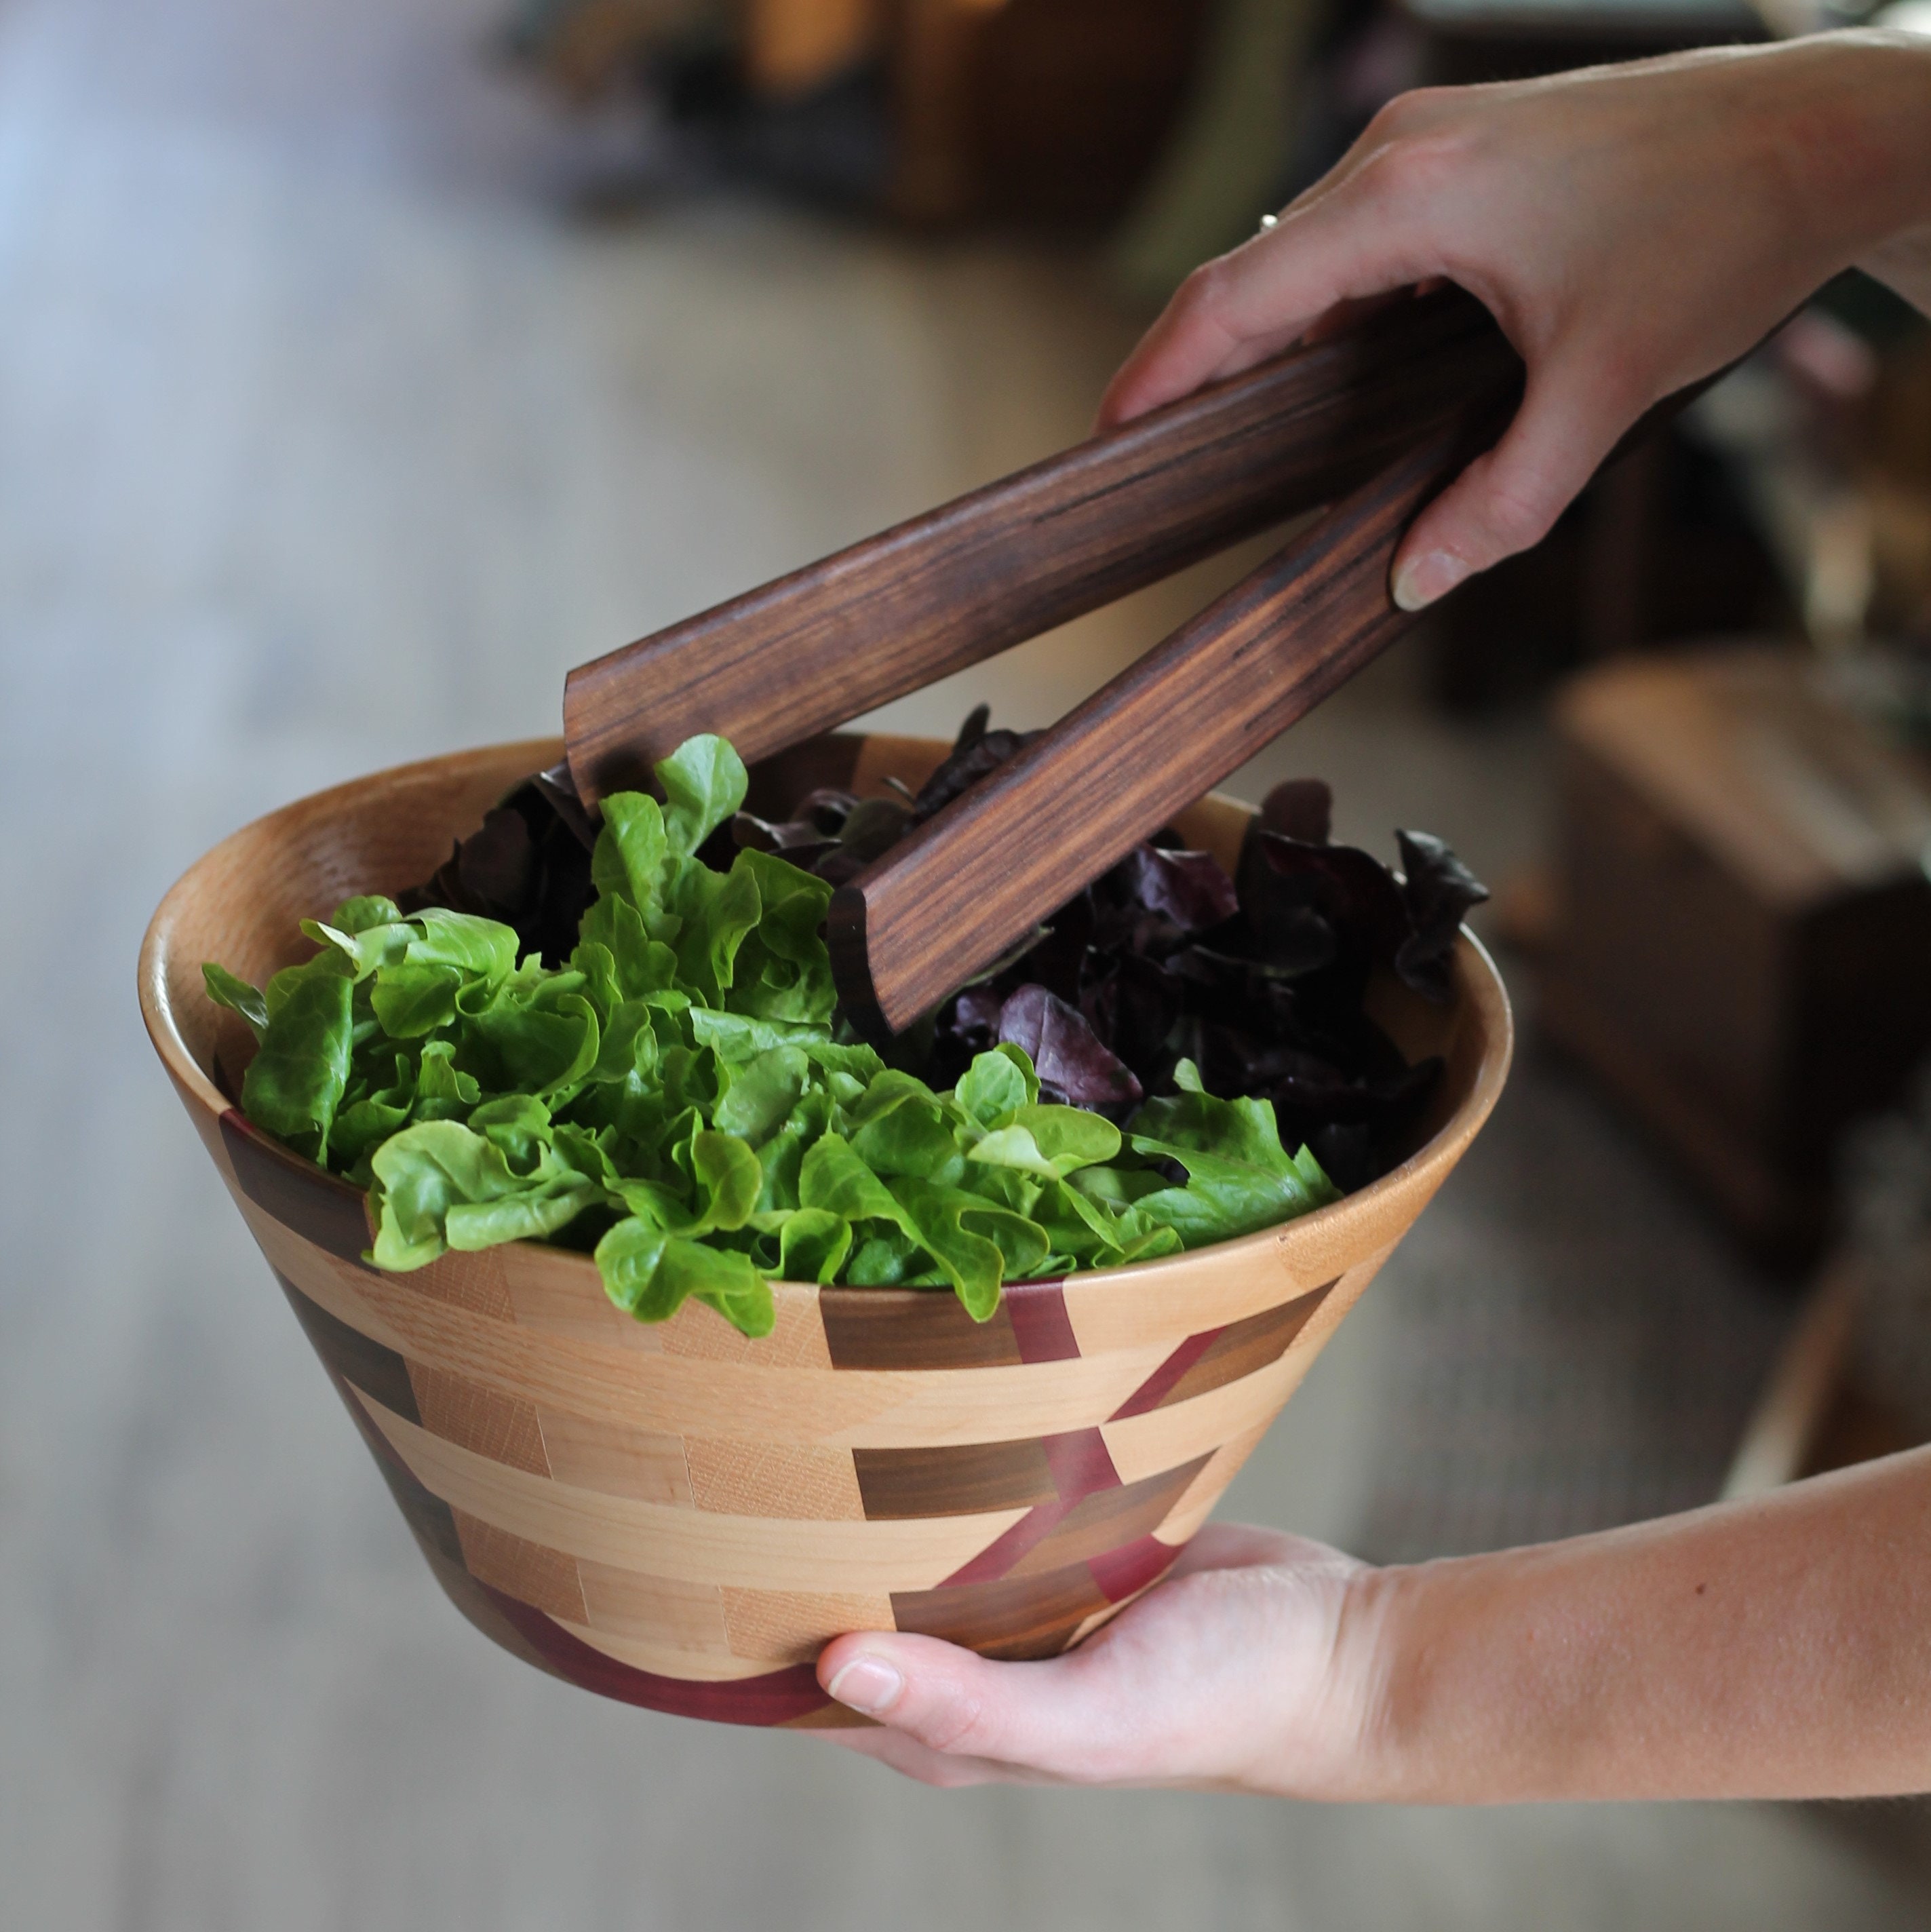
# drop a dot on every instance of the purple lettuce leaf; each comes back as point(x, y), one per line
point(1438, 891)
point(1067, 1052)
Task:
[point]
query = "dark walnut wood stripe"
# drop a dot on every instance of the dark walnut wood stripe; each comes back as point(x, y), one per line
point(431, 1521)
point(971, 1478)
point(926, 1328)
point(966, 1480)
point(1035, 1615)
point(1026, 1617)
point(318, 1206)
point(1217, 1356)
point(347, 1352)
point(913, 1328)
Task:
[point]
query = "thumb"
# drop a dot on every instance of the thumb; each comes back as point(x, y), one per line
point(1508, 500)
point(1056, 1716)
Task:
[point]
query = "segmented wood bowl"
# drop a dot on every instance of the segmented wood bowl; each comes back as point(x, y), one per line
point(679, 1517)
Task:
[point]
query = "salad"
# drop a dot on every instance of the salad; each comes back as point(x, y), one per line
point(625, 1039)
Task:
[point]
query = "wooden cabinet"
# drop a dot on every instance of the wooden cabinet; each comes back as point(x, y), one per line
point(1036, 110)
point(1742, 950)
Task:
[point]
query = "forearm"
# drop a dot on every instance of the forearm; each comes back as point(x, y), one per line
point(1894, 120)
point(1777, 1648)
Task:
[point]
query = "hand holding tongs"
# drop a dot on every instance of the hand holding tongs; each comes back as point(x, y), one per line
point(1373, 422)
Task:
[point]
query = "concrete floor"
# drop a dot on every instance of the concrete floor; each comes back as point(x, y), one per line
point(325, 443)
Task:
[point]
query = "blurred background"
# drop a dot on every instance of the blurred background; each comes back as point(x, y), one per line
point(364, 367)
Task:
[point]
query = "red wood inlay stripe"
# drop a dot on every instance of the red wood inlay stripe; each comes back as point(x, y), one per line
point(1040, 1323)
point(998, 1556)
point(777, 1697)
point(1119, 1573)
point(1081, 1463)
point(1090, 1486)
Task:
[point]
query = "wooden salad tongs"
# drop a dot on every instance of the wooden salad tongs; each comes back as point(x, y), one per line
point(1372, 422)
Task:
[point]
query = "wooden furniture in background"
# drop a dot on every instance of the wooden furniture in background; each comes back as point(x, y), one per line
point(1654, 549)
point(680, 1517)
point(1475, 40)
point(1036, 110)
point(1813, 1414)
point(793, 46)
point(1741, 949)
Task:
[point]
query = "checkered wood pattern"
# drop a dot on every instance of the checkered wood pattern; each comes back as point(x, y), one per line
point(680, 1517)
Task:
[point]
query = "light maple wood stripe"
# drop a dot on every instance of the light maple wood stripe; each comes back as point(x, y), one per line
point(554, 1291)
point(1346, 1292)
point(749, 1552)
point(875, 1408)
point(768, 1479)
point(475, 1281)
point(793, 1626)
point(1167, 1301)
point(665, 1610)
point(646, 1464)
point(1157, 1302)
point(547, 1297)
point(1196, 1503)
point(493, 1424)
point(661, 1660)
point(530, 1572)
point(796, 1341)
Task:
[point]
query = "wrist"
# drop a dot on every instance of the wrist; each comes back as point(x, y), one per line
point(1457, 1709)
point(1374, 1748)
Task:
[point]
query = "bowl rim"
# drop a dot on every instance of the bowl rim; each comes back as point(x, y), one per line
point(1476, 982)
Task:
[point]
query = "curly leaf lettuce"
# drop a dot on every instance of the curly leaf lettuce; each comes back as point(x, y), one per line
point(675, 1099)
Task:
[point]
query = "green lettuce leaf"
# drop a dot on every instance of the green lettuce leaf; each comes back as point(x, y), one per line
point(301, 1070)
point(226, 990)
point(704, 782)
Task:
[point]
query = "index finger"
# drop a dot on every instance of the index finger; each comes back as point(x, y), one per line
point(1362, 239)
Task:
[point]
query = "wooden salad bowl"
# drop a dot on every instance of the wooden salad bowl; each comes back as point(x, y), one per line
point(680, 1517)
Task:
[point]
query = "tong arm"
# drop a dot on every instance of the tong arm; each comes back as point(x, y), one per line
point(809, 651)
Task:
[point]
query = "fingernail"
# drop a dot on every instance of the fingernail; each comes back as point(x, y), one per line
point(868, 1684)
point(1417, 584)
